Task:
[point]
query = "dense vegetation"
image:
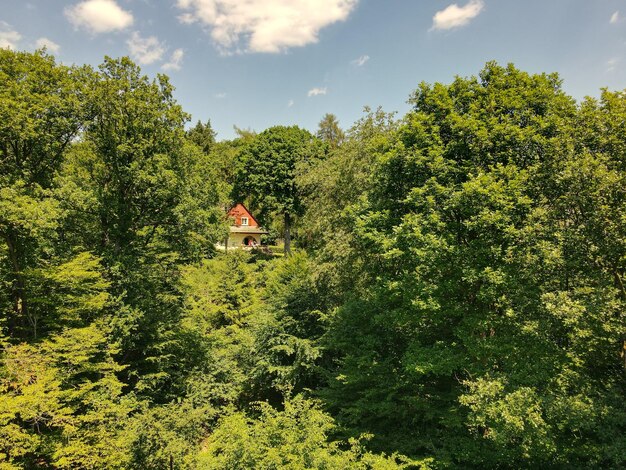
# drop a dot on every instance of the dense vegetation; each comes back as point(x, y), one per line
point(454, 297)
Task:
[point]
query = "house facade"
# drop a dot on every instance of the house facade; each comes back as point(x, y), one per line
point(245, 231)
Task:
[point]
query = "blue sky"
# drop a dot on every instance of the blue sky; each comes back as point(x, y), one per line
point(258, 63)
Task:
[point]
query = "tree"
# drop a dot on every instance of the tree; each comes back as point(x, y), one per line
point(487, 327)
point(460, 295)
point(268, 172)
point(328, 130)
point(62, 404)
point(286, 332)
point(148, 202)
point(293, 438)
point(202, 135)
point(332, 189)
point(41, 110)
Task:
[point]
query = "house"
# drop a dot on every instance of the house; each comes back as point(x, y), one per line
point(244, 229)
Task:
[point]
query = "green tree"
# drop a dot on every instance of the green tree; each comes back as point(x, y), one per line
point(332, 190)
point(147, 202)
point(294, 438)
point(222, 297)
point(41, 111)
point(286, 331)
point(328, 131)
point(62, 405)
point(489, 328)
point(202, 135)
point(166, 436)
point(268, 169)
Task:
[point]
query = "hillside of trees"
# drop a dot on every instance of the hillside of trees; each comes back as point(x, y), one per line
point(452, 293)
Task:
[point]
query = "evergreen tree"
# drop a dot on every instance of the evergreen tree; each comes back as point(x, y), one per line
point(328, 130)
point(202, 135)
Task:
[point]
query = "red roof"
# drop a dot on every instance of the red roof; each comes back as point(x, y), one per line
point(239, 211)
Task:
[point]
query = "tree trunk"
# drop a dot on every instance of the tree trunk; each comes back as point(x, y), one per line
point(287, 234)
point(20, 305)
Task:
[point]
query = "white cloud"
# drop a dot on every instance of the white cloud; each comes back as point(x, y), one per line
point(455, 16)
point(317, 91)
point(290, 103)
point(187, 18)
point(49, 44)
point(360, 61)
point(615, 17)
point(264, 25)
point(175, 61)
point(145, 50)
point(8, 36)
point(220, 96)
point(611, 64)
point(99, 16)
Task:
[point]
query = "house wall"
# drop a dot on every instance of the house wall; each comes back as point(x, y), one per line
point(235, 240)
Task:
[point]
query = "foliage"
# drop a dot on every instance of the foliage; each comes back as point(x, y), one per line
point(268, 169)
point(42, 108)
point(291, 439)
point(166, 437)
point(329, 131)
point(147, 201)
point(222, 295)
point(332, 190)
point(457, 295)
point(62, 403)
point(286, 350)
point(221, 291)
point(202, 135)
point(491, 325)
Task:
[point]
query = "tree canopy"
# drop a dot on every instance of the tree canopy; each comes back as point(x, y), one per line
point(268, 168)
point(454, 297)
point(328, 130)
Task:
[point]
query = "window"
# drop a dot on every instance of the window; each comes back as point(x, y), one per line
point(244, 221)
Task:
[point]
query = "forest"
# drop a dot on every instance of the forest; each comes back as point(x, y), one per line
point(451, 292)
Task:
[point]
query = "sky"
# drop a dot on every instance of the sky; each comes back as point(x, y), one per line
point(258, 63)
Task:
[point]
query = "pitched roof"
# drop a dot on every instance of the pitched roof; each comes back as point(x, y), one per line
point(238, 211)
